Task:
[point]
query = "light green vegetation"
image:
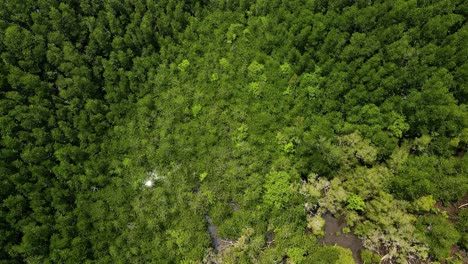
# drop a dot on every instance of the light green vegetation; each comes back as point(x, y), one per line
point(262, 115)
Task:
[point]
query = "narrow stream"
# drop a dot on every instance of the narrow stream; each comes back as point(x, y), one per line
point(332, 227)
point(213, 231)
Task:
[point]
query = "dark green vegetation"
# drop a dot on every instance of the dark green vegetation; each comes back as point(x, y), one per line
point(259, 114)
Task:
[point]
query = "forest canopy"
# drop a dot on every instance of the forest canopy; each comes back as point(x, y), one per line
point(225, 131)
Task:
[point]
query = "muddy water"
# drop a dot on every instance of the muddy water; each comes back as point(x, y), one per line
point(334, 225)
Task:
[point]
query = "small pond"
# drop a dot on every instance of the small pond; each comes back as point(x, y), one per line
point(333, 227)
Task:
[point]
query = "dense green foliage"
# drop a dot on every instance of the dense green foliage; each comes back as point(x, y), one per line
point(126, 125)
point(463, 227)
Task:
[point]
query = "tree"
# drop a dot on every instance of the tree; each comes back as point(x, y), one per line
point(439, 234)
point(355, 203)
point(277, 189)
point(462, 227)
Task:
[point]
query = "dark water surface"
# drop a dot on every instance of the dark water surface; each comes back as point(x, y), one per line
point(213, 231)
point(334, 225)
